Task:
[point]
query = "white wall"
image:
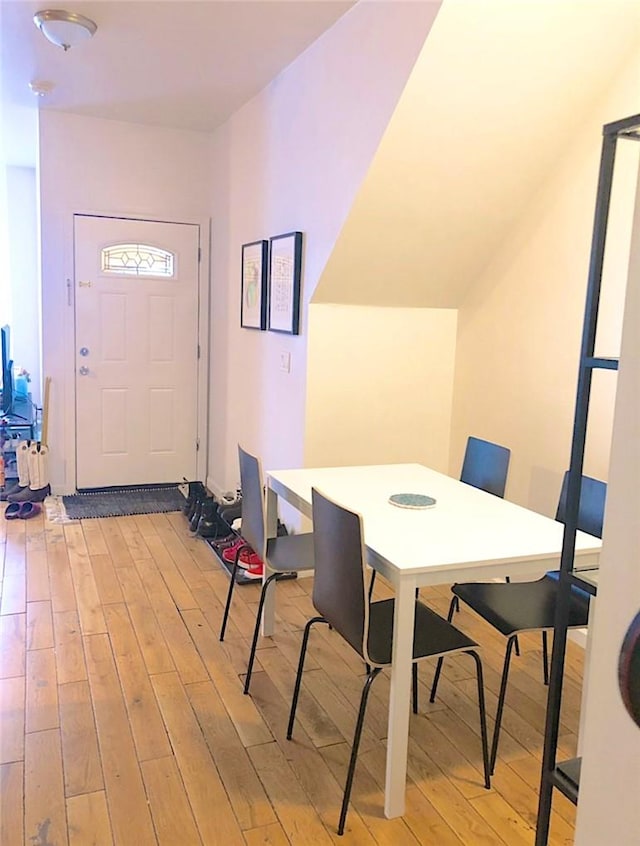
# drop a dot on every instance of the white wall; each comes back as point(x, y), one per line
point(608, 807)
point(380, 385)
point(520, 327)
point(92, 165)
point(24, 276)
point(292, 159)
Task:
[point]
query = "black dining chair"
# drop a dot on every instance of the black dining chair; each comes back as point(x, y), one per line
point(281, 555)
point(485, 466)
point(341, 597)
point(516, 607)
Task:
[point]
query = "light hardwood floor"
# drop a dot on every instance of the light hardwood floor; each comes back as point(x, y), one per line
point(122, 717)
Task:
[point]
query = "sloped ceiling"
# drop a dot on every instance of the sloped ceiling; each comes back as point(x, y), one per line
point(498, 88)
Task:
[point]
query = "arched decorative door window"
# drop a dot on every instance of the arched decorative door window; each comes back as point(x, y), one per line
point(137, 260)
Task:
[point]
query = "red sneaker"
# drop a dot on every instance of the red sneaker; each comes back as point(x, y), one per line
point(253, 571)
point(229, 552)
point(247, 558)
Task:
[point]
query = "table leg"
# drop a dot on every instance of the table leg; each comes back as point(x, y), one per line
point(268, 614)
point(399, 699)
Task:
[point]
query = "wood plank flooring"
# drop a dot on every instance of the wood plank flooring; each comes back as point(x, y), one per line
point(122, 717)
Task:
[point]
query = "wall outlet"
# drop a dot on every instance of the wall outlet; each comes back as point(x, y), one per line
point(285, 362)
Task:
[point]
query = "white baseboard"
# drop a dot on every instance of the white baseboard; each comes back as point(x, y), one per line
point(215, 489)
point(579, 636)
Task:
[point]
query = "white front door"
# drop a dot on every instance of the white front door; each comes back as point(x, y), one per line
point(136, 311)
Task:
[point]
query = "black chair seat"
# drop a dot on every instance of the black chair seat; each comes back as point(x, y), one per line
point(290, 553)
point(432, 634)
point(521, 606)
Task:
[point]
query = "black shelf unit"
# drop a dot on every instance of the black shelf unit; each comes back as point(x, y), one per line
point(565, 775)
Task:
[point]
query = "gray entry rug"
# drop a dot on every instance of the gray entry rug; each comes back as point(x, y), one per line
point(121, 502)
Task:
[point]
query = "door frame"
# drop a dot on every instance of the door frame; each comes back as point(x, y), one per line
point(202, 411)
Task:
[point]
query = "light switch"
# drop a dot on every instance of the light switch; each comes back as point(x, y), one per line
point(285, 362)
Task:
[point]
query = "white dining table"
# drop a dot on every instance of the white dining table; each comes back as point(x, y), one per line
point(469, 535)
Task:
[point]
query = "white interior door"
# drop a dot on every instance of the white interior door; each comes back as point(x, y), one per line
point(136, 310)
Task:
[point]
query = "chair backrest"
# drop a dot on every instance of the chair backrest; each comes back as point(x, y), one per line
point(253, 505)
point(339, 592)
point(485, 466)
point(593, 495)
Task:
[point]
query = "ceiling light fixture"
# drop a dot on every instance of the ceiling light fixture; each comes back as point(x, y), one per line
point(65, 29)
point(41, 87)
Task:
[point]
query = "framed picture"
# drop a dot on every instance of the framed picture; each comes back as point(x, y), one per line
point(285, 265)
point(253, 306)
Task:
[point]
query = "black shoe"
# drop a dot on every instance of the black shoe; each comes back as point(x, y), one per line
point(29, 494)
point(208, 515)
point(194, 514)
point(196, 503)
point(196, 491)
point(219, 533)
point(211, 525)
point(203, 507)
point(10, 487)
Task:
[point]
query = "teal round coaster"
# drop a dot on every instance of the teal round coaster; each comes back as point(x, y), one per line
point(412, 500)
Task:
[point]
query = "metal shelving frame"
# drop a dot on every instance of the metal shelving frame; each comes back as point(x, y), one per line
point(565, 776)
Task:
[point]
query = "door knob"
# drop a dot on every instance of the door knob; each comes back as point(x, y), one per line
point(84, 351)
point(83, 371)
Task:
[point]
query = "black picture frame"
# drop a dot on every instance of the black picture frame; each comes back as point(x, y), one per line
point(254, 276)
point(285, 270)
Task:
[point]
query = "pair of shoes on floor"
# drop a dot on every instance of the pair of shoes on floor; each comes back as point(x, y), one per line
point(207, 522)
point(196, 491)
point(232, 541)
point(10, 487)
point(217, 533)
point(27, 494)
point(22, 510)
point(248, 560)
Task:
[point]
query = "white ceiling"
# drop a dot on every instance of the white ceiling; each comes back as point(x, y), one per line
point(187, 63)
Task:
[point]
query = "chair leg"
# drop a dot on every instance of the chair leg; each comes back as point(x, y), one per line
point(354, 748)
point(232, 582)
point(545, 657)
point(453, 607)
point(483, 718)
point(256, 630)
point(436, 679)
point(517, 645)
point(501, 697)
point(436, 675)
point(414, 687)
point(296, 689)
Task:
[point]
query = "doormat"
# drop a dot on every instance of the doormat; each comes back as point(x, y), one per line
point(122, 502)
